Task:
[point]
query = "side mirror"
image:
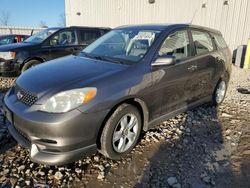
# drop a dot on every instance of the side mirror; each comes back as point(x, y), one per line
point(164, 61)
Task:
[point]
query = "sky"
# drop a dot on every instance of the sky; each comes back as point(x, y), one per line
point(29, 13)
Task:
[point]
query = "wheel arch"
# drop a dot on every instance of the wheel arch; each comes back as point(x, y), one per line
point(32, 58)
point(138, 103)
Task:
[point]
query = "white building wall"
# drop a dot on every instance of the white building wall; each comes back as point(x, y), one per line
point(233, 20)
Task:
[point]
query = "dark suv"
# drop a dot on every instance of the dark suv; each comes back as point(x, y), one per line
point(127, 81)
point(46, 45)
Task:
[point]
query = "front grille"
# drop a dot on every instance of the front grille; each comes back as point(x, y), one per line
point(24, 96)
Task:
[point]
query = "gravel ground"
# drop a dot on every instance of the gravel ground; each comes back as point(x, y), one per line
point(205, 147)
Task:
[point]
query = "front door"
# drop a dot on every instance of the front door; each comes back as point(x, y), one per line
point(63, 43)
point(170, 81)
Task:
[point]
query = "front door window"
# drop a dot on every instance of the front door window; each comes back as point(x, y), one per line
point(177, 45)
point(64, 38)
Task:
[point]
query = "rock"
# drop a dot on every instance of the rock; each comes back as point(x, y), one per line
point(61, 169)
point(96, 158)
point(27, 171)
point(58, 175)
point(228, 131)
point(41, 173)
point(2, 179)
point(77, 179)
point(177, 185)
point(246, 152)
point(31, 165)
point(101, 176)
point(78, 170)
point(101, 167)
point(27, 182)
point(203, 174)
point(226, 115)
point(171, 181)
point(206, 179)
point(20, 168)
point(6, 171)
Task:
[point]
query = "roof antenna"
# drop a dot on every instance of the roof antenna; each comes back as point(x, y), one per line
point(204, 5)
point(191, 22)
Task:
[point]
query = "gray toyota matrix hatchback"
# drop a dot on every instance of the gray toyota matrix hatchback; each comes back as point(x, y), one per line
point(127, 81)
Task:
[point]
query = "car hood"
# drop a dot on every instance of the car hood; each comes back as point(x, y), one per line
point(57, 74)
point(15, 46)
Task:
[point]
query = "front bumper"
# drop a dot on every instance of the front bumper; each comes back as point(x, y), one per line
point(8, 68)
point(53, 139)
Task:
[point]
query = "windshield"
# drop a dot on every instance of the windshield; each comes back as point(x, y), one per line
point(122, 45)
point(40, 36)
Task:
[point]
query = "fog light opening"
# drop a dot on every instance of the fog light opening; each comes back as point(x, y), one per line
point(48, 141)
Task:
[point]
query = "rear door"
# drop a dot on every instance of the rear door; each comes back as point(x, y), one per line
point(87, 36)
point(205, 55)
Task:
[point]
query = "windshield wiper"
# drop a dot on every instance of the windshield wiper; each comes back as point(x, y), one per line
point(88, 55)
point(104, 58)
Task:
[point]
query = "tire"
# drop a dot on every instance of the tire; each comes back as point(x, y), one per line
point(216, 99)
point(30, 64)
point(110, 146)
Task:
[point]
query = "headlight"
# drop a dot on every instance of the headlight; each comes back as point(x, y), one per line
point(7, 55)
point(68, 100)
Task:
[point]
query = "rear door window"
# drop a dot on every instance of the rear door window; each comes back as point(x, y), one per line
point(202, 42)
point(176, 44)
point(89, 36)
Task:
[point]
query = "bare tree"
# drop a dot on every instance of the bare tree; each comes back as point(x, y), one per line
point(62, 20)
point(43, 24)
point(5, 18)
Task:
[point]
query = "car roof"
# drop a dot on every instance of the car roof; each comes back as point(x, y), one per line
point(83, 27)
point(9, 35)
point(162, 27)
point(89, 27)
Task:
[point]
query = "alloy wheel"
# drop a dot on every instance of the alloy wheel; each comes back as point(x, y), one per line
point(125, 133)
point(220, 92)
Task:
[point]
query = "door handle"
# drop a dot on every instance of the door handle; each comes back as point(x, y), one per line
point(192, 68)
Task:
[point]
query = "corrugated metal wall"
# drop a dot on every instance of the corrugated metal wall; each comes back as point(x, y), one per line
point(4, 30)
point(232, 19)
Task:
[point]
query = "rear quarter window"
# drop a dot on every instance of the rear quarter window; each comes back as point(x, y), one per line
point(219, 40)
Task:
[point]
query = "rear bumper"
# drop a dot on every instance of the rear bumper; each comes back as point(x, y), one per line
point(8, 68)
point(53, 139)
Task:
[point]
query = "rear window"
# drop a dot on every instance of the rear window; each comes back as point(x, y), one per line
point(202, 41)
point(89, 36)
point(219, 40)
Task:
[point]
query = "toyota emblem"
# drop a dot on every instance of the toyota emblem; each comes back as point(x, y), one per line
point(19, 95)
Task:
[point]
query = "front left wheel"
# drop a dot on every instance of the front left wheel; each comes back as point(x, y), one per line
point(121, 132)
point(29, 65)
